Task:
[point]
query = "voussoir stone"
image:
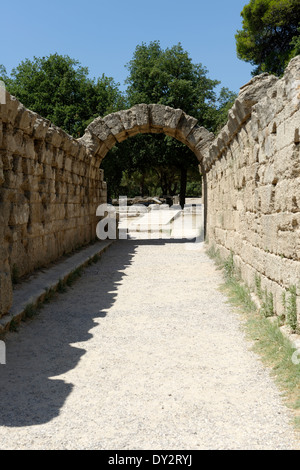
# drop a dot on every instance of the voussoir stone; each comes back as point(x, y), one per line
point(185, 126)
point(113, 121)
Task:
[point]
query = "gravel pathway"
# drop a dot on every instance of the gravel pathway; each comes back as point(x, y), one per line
point(143, 352)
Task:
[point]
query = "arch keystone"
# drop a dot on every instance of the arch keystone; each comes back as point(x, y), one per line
point(157, 117)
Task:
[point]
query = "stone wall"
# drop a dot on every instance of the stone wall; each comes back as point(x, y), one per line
point(50, 187)
point(253, 184)
point(51, 184)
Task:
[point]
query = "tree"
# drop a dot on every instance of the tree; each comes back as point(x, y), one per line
point(167, 77)
point(59, 89)
point(295, 43)
point(270, 35)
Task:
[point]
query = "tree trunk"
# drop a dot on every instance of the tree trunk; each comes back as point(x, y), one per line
point(183, 181)
point(142, 185)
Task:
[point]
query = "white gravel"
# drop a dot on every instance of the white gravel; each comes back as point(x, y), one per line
point(143, 352)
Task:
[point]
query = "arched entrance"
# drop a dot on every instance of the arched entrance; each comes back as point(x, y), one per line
point(103, 133)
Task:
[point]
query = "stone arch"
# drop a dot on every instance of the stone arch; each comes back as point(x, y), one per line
point(103, 133)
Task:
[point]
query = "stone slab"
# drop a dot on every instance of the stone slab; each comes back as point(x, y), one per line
point(32, 290)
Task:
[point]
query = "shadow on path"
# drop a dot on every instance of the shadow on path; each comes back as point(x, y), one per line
point(42, 348)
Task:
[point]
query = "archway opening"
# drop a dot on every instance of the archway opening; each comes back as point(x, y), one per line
point(152, 165)
point(160, 179)
point(105, 133)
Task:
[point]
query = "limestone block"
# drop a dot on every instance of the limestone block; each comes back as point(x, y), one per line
point(199, 137)
point(128, 119)
point(68, 163)
point(135, 119)
point(9, 110)
point(14, 142)
point(19, 215)
point(25, 119)
point(287, 197)
point(40, 128)
point(286, 131)
point(241, 110)
point(100, 129)
point(55, 136)
point(289, 272)
point(287, 244)
point(233, 122)
point(142, 117)
point(156, 117)
point(70, 146)
point(185, 127)
point(113, 121)
point(256, 89)
point(172, 118)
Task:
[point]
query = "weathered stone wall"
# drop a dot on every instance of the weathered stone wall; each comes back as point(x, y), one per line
point(50, 187)
point(51, 184)
point(253, 184)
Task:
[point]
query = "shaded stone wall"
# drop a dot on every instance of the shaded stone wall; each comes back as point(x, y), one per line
point(50, 187)
point(253, 184)
point(51, 184)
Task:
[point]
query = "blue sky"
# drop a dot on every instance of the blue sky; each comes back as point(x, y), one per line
point(103, 35)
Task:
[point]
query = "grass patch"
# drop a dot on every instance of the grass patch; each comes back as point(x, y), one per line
point(73, 276)
point(13, 326)
point(273, 347)
point(30, 311)
point(291, 309)
point(268, 305)
point(48, 296)
point(61, 286)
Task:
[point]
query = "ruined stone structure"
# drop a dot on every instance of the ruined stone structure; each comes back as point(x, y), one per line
point(51, 184)
point(253, 184)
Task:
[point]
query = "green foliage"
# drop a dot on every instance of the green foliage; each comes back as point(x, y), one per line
point(258, 288)
point(291, 309)
point(270, 35)
point(219, 112)
point(61, 286)
point(30, 311)
point(13, 326)
point(228, 267)
point(48, 295)
point(268, 305)
point(159, 163)
point(275, 349)
point(169, 77)
point(59, 89)
point(295, 43)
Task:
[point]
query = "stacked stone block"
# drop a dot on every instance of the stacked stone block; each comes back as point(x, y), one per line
point(50, 187)
point(253, 184)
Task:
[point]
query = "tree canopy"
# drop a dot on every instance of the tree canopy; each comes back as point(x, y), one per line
point(270, 34)
point(169, 77)
point(59, 89)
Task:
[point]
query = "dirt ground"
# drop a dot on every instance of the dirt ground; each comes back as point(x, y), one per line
point(142, 352)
